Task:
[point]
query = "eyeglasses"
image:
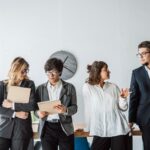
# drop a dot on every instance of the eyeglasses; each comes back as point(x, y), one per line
point(142, 54)
point(52, 72)
point(25, 71)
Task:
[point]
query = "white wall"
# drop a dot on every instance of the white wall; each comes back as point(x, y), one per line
point(108, 30)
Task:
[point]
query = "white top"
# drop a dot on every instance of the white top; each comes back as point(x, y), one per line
point(103, 110)
point(148, 71)
point(54, 94)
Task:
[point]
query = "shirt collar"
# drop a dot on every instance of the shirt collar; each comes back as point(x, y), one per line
point(147, 69)
point(104, 87)
point(56, 85)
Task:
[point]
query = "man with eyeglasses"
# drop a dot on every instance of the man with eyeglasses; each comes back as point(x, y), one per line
point(139, 110)
point(57, 129)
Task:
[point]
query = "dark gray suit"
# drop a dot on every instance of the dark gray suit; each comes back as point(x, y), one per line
point(67, 98)
point(15, 128)
point(139, 109)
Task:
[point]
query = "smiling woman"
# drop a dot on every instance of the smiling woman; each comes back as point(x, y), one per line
point(104, 103)
point(16, 116)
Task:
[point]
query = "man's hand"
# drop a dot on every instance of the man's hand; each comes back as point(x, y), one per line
point(22, 115)
point(61, 109)
point(42, 114)
point(7, 103)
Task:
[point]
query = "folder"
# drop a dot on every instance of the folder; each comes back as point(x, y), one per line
point(18, 94)
point(49, 106)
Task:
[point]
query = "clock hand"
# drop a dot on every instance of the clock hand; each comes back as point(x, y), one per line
point(68, 69)
point(65, 59)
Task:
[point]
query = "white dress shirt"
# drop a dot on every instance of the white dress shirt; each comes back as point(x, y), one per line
point(148, 71)
point(54, 94)
point(103, 110)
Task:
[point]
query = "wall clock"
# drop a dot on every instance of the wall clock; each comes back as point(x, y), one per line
point(70, 63)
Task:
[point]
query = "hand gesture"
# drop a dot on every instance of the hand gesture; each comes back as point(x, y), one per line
point(124, 93)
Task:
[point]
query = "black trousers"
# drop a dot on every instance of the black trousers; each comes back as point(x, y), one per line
point(146, 136)
point(54, 136)
point(121, 142)
point(14, 144)
point(5, 143)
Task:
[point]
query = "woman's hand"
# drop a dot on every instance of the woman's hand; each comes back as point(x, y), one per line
point(124, 93)
point(42, 114)
point(7, 103)
point(61, 109)
point(131, 125)
point(22, 115)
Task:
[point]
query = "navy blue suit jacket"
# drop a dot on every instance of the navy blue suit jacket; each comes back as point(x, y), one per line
point(139, 108)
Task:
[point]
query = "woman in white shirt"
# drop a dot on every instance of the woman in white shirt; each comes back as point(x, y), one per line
point(104, 103)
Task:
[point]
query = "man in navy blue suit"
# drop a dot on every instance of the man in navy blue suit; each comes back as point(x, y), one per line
point(139, 110)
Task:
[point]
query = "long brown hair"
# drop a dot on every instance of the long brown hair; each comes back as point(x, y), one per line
point(17, 65)
point(94, 71)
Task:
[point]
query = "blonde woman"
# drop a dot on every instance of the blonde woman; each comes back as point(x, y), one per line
point(104, 103)
point(15, 119)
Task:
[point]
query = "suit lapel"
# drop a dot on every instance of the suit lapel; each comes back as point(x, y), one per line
point(63, 91)
point(145, 73)
point(23, 84)
point(46, 95)
point(145, 76)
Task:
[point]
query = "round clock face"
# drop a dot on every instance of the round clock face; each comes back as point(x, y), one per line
point(70, 63)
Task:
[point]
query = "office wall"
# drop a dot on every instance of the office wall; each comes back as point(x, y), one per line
point(107, 30)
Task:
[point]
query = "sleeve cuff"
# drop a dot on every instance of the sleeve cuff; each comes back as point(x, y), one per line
point(123, 103)
point(66, 113)
point(13, 106)
point(14, 115)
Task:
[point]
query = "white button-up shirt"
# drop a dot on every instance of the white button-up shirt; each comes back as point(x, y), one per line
point(148, 71)
point(54, 94)
point(103, 110)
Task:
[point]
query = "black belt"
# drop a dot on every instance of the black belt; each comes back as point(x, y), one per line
point(53, 121)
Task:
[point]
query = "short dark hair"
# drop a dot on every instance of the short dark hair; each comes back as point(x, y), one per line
point(54, 63)
point(94, 71)
point(144, 44)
